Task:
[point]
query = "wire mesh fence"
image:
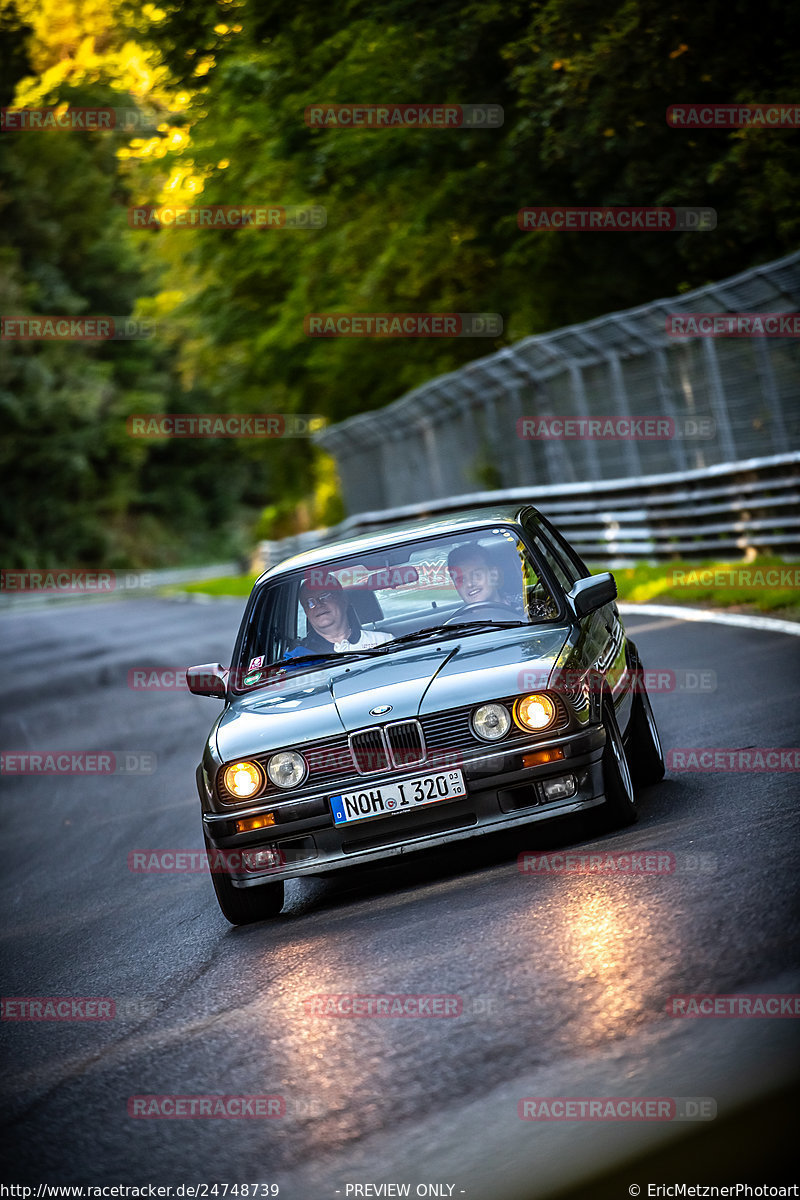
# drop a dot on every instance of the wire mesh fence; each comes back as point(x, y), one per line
point(520, 417)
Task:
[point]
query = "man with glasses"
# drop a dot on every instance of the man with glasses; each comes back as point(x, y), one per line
point(333, 624)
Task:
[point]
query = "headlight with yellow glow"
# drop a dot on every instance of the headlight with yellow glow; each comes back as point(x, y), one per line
point(287, 769)
point(535, 712)
point(243, 780)
point(491, 722)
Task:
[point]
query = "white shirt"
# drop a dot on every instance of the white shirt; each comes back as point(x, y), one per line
point(365, 641)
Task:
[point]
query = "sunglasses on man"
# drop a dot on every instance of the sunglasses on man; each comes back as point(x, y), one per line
point(310, 602)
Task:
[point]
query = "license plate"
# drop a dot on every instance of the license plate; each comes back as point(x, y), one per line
point(390, 798)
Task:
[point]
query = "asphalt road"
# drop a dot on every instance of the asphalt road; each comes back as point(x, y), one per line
point(564, 979)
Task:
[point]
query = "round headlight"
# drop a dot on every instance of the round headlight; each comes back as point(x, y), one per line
point(243, 780)
point(535, 712)
point(287, 769)
point(491, 721)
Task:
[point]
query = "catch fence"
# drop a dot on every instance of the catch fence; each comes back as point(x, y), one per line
point(725, 399)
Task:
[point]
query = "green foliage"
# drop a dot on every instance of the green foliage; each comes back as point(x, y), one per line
point(416, 221)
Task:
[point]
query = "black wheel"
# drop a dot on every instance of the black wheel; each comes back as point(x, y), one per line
point(620, 807)
point(645, 754)
point(243, 906)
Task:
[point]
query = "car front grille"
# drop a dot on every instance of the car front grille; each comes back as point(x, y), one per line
point(389, 747)
point(369, 751)
point(406, 743)
point(440, 740)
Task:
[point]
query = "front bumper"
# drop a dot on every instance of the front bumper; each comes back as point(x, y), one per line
point(501, 793)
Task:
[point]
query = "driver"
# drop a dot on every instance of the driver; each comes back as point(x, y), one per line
point(332, 622)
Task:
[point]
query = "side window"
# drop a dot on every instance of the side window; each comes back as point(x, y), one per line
point(550, 555)
point(570, 557)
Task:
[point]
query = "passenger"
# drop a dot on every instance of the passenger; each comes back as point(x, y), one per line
point(476, 579)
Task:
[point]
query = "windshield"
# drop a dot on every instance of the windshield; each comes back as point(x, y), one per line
point(366, 604)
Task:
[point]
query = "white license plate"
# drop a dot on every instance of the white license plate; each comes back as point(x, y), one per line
point(385, 800)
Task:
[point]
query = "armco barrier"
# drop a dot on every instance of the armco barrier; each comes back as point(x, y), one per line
point(732, 510)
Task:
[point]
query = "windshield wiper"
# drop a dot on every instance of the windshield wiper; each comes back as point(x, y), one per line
point(321, 656)
point(317, 656)
point(453, 628)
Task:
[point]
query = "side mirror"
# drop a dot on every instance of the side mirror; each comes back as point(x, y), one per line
point(588, 595)
point(208, 680)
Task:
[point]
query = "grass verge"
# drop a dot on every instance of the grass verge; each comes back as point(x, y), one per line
point(767, 584)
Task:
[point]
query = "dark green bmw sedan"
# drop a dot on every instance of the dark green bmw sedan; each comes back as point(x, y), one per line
point(415, 686)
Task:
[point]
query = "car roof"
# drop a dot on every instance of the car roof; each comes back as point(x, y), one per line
point(460, 521)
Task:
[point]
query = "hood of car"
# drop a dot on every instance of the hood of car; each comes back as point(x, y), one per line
point(413, 681)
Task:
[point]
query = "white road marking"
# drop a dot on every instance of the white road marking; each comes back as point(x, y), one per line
point(745, 621)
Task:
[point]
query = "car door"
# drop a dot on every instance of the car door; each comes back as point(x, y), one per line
point(601, 640)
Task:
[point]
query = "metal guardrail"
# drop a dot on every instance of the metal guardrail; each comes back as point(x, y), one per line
point(734, 509)
point(459, 432)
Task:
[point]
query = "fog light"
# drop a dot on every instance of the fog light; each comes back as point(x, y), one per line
point(249, 823)
point(260, 860)
point(560, 789)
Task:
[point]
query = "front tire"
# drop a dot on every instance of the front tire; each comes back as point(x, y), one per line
point(243, 906)
point(619, 809)
point(645, 754)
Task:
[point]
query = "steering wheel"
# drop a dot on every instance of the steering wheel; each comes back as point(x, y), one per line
point(487, 609)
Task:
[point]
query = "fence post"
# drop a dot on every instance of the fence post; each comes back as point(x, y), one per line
point(717, 394)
